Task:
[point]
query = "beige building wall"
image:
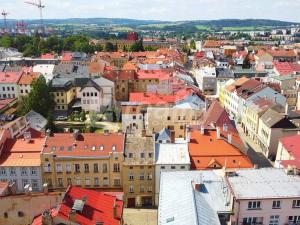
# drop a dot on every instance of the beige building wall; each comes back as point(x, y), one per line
point(62, 172)
point(172, 118)
point(21, 209)
point(138, 171)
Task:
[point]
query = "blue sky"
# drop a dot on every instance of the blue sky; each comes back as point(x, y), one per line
point(288, 10)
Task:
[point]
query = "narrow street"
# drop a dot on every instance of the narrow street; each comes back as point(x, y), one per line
point(254, 151)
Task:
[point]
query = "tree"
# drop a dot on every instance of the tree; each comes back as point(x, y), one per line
point(109, 47)
point(246, 62)
point(137, 46)
point(6, 42)
point(193, 44)
point(30, 50)
point(39, 99)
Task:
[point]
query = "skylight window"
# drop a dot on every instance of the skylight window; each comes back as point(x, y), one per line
point(101, 147)
point(113, 148)
point(70, 148)
point(94, 148)
point(53, 148)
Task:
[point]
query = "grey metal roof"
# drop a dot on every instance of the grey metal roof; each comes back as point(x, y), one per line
point(163, 135)
point(271, 117)
point(264, 183)
point(36, 120)
point(180, 203)
point(173, 154)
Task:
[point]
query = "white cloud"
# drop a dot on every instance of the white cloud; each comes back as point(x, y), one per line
point(158, 9)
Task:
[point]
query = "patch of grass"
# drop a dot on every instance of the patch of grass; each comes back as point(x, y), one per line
point(203, 27)
point(124, 29)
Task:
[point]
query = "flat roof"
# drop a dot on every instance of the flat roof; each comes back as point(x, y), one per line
point(264, 183)
point(172, 154)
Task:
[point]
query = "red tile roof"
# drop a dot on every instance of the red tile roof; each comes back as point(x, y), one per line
point(156, 99)
point(153, 74)
point(286, 68)
point(206, 150)
point(99, 207)
point(5, 102)
point(27, 78)
point(282, 53)
point(292, 145)
point(67, 56)
point(10, 77)
point(217, 116)
point(87, 144)
point(47, 56)
point(212, 44)
point(18, 152)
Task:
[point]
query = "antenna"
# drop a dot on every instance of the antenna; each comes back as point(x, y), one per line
point(40, 7)
point(4, 14)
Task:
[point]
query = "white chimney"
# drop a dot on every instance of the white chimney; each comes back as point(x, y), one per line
point(202, 129)
point(229, 138)
point(218, 133)
point(225, 127)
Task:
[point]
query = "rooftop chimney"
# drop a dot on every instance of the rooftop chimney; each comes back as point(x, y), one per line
point(202, 129)
point(45, 188)
point(72, 215)
point(47, 218)
point(229, 138)
point(27, 136)
point(218, 133)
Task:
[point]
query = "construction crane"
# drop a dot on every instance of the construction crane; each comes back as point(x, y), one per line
point(4, 14)
point(40, 6)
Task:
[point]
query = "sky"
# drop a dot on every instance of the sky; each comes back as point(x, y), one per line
point(167, 10)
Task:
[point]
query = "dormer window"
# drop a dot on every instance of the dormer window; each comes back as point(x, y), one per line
point(113, 148)
point(101, 147)
point(53, 148)
point(85, 147)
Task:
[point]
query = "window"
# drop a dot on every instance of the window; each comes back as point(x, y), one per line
point(58, 168)
point(78, 181)
point(86, 168)
point(254, 205)
point(116, 167)
point(150, 155)
point(249, 220)
point(60, 182)
point(3, 171)
point(131, 189)
point(87, 182)
point(83, 94)
point(296, 203)
point(149, 189)
point(77, 168)
point(274, 220)
point(142, 189)
point(24, 182)
point(96, 181)
point(35, 185)
point(131, 177)
point(133, 117)
point(130, 155)
point(168, 118)
point(113, 148)
point(69, 181)
point(276, 205)
point(5, 215)
point(24, 171)
point(12, 172)
point(173, 167)
point(68, 168)
point(101, 147)
point(20, 214)
point(105, 181)
point(182, 167)
point(33, 171)
point(142, 155)
point(149, 176)
point(96, 94)
point(117, 182)
point(96, 169)
point(104, 168)
point(294, 219)
point(142, 176)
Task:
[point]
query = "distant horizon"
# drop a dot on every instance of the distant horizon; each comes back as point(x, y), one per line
point(160, 10)
point(153, 20)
